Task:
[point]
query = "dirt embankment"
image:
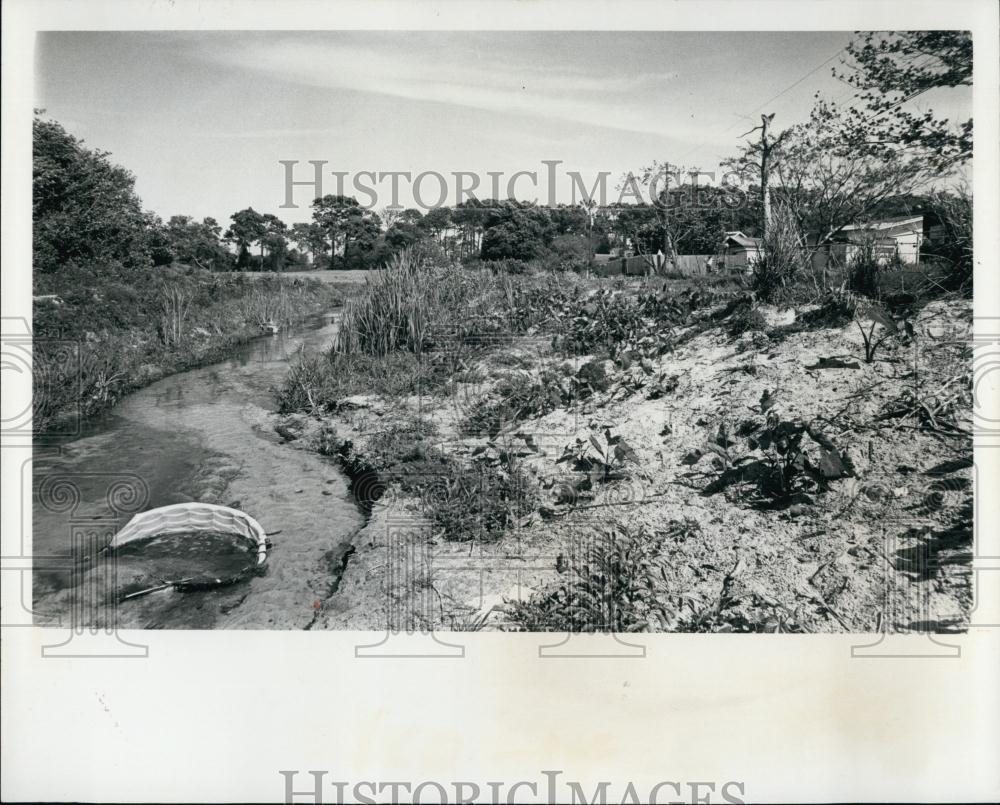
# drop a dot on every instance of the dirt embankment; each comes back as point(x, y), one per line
point(96, 344)
point(786, 483)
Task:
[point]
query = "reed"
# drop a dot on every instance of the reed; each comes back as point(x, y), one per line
point(401, 306)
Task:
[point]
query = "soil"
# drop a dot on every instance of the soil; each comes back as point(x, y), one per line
point(881, 543)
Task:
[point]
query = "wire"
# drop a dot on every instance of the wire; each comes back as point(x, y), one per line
point(790, 87)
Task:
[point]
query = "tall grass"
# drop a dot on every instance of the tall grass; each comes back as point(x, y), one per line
point(175, 303)
point(263, 305)
point(403, 306)
point(865, 266)
point(394, 312)
point(784, 257)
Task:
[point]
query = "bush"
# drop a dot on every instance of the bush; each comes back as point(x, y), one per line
point(746, 319)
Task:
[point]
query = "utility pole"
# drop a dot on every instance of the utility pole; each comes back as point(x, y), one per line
point(589, 205)
point(668, 243)
point(767, 146)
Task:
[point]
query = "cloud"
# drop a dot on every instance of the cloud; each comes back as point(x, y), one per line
point(406, 70)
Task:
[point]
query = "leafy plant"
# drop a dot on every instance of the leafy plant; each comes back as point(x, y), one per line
point(517, 397)
point(878, 316)
point(746, 319)
point(600, 461)
point(776, 459)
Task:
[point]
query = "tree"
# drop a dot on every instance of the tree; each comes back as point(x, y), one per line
point(402, 235)
point(361, 230)
point(636, 224)
point(248, 227)
point(826, 182)
point(309, 237)
point(391, 215)
point(657, 178)
point(331, 213)
point(196, 243)
point(275, 241)
point(760, 156)
point(889, 71)
point(437, 222)
point(516, 230)
point(470, 217)
point(85, 209)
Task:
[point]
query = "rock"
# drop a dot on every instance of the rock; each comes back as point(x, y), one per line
point(876, 492)
point(597, 373)
point(692, 457)
point(355, 401)
point(777, 317)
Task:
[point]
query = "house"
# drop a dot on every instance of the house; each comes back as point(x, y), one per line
point(893, 237)
point(740, 251)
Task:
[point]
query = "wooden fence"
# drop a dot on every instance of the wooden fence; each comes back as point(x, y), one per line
point(688, 264)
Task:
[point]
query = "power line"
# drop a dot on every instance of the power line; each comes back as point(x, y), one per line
point(790, 87)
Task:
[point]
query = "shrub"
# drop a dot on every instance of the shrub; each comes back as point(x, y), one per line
point(746, 319)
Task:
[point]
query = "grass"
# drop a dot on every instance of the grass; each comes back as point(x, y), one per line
point(318, 382)
point(617, 583)
point(113, 331)
point(466, 502)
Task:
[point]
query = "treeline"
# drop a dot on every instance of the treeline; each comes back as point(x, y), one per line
point(843, 167)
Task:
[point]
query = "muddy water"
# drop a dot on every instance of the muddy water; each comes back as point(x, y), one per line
point(200, 435)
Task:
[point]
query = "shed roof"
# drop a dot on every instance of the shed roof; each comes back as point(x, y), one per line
point(739, 239)
point(888, 223)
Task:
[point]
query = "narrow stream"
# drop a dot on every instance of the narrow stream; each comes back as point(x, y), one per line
point(199, 435)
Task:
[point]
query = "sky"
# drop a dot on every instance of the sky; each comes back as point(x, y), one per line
point(203, 118)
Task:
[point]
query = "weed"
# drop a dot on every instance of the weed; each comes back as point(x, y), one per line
point(600, 461)
point(618, 584)
point(746, 319)
point(776, 460)
point(750, 613)
point(878, 316)
point(782, 259)
point(519, 396)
